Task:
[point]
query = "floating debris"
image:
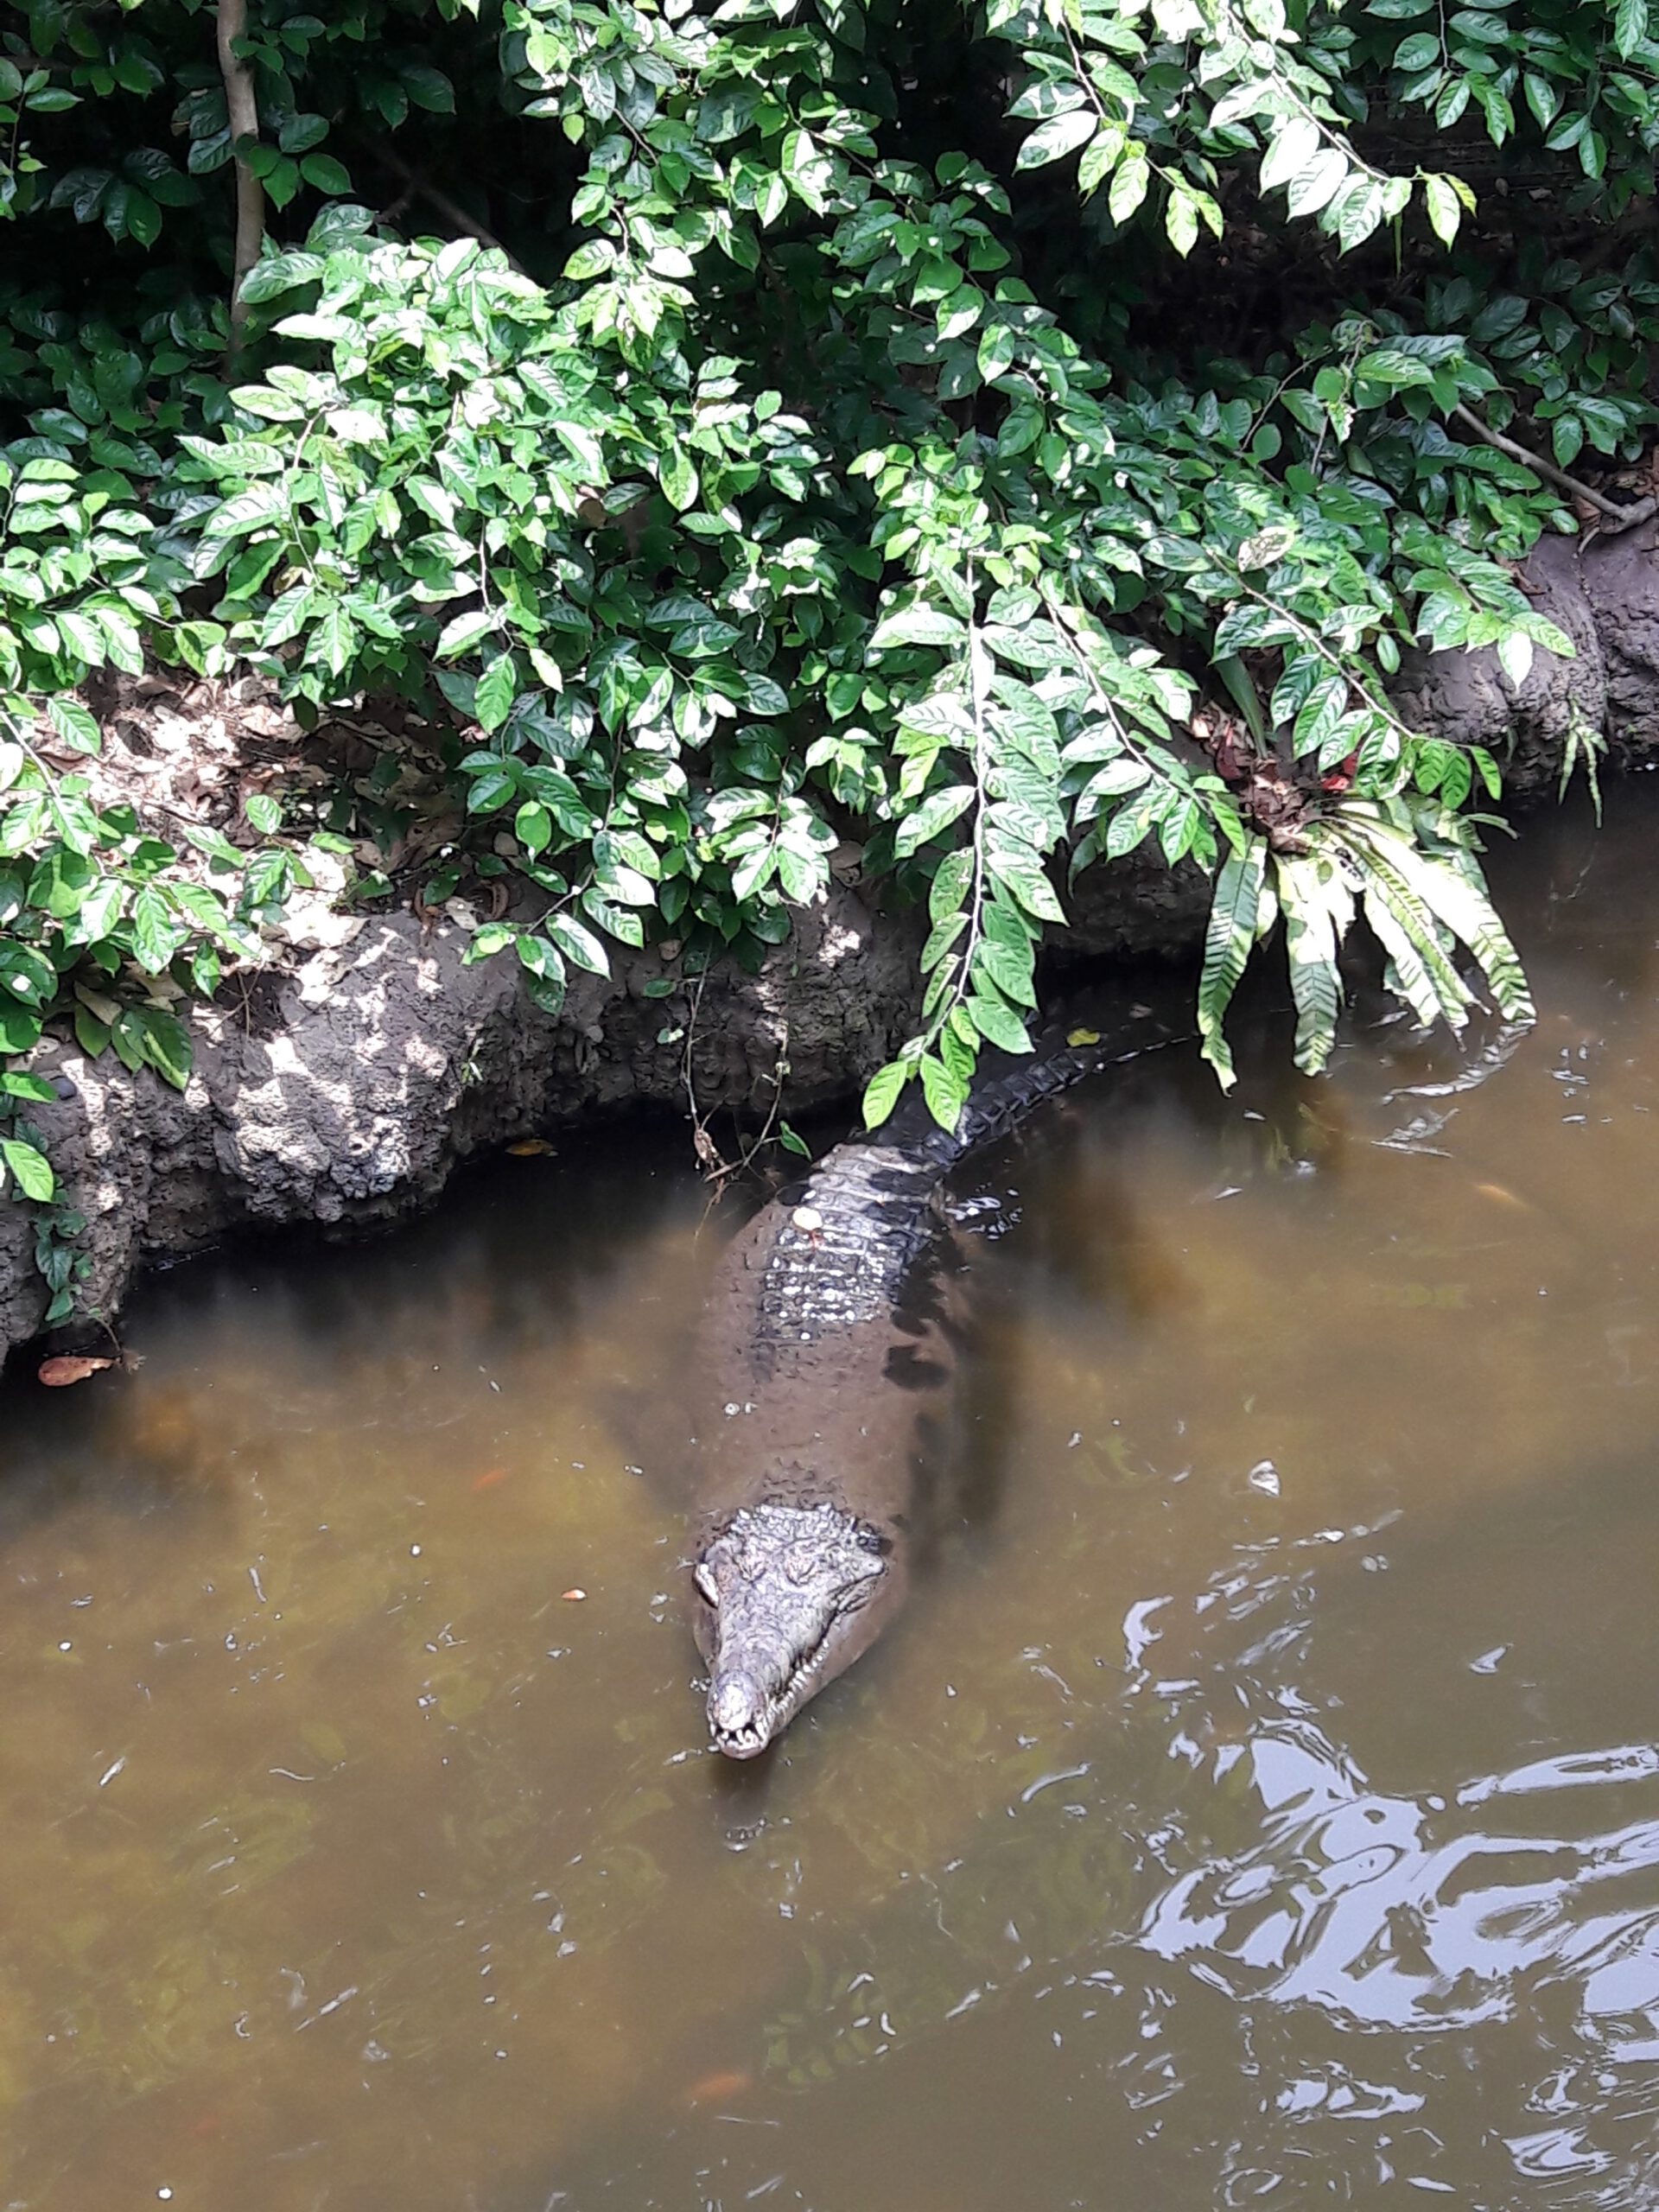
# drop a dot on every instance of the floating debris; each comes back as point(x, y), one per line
point(69, 1367)
point(714, 2088)
point(1504, 1197)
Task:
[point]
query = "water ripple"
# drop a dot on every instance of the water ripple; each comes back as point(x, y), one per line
point(1525, 1902)
point(1393, 1913)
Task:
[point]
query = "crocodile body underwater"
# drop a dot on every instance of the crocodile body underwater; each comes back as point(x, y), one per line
point(822, 1363)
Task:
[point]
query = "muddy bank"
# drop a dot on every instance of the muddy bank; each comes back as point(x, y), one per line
point(344, 1091)
point(1603, 593)
point(343, 1085)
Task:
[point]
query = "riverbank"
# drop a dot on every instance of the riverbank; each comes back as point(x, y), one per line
point(343, 1083)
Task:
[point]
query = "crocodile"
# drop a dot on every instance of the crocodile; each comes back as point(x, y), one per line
point(823, 1362)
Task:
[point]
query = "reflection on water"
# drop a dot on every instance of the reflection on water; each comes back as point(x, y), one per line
point(1260, 1803)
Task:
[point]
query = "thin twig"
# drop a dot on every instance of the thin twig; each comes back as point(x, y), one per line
point(717, 1170)
point(1619, 518)
point(451, 210)
point(242, 112)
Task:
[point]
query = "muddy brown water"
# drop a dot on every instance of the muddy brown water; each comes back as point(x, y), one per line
point(1258, 1804)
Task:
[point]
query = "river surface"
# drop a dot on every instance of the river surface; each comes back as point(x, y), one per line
point(1258, 1804)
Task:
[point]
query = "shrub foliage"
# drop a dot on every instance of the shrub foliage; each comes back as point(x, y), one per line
point(975, 434)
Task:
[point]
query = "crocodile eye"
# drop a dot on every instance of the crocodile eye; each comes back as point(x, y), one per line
point(707, 1586)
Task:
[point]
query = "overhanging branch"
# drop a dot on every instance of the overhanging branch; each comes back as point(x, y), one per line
point(1615, 517)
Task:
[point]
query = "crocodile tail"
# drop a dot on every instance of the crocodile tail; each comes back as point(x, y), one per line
point(1006, 1089)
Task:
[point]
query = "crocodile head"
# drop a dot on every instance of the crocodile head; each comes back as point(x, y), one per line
point(787, 1598)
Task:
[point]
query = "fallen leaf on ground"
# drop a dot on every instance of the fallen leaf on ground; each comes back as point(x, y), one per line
point(69, 1367)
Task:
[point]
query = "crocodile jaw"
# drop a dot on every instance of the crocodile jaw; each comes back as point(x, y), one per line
point(789, 1597)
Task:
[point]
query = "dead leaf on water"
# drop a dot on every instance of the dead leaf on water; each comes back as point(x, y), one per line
point(715, 2088)
point(69, 1367)
point(1505, 1197)
point(1074, 1037)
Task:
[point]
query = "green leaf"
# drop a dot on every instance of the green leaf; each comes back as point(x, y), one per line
point(1130, 182)
point(916, 626)
point(1448, 887)
point(428, 88)
point(1181, 221)
point(465, 630)
point(1099, 159)
point(1292, 146)
point(1029, 887)
point(157, 932)
point(998, 1024)
point(1320, 181)
point(882, 1092)
point(73, 726)
point(29, 1168)
point(1061, 135)
point(677, 477)
point(1445, 212)
point(543, 966)
point(497, 687)
point(164, 1042)
point(936, 812)
point(1228, 938)
point(945, 1091)
point(323, 172)
point(1543, 98)
point(1421, 50)
point(1318, 907)
point(590, 260)
point(996, 351)
point(578, 944)
point(490, 788)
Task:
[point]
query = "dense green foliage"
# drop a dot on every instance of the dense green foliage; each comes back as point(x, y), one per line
point(974, 434)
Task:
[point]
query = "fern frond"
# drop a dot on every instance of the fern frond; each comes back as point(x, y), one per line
point(1410, 971)
point(1319, 910)
point(1228, 940)
point(1447, 887)
point(1408, 925)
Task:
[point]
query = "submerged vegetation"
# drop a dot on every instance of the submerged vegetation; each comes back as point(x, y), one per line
point(978, 435)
